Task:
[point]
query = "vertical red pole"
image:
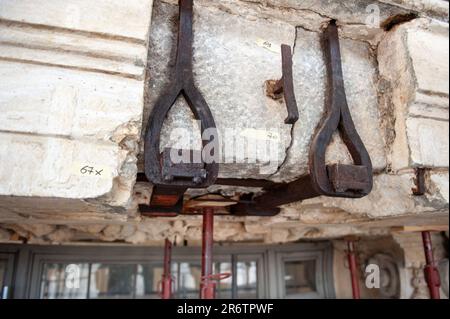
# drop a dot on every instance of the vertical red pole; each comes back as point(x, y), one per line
point(353, 266)
point(431, 271)
point(167, 277)
point(207, 285)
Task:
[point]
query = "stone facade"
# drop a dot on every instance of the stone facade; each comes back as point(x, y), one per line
point(72, 96)
point(77, 89)
point(418, 52)
point(401, 260)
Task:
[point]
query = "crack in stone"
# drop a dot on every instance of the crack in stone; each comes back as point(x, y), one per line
point(292, 132)
point(287, 152)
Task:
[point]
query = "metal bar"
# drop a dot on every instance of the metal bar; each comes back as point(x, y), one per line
point(184, 50)
point(247, 182)
point(257, 183)
point(338, 118)
point(285, 85)
point(207, 286)
point(346, 181)
point(288, 85)
point(353, 266)
point(181, 83)
point(282, 194)
point(431, 271)
point(167, 276)
point(250, 209)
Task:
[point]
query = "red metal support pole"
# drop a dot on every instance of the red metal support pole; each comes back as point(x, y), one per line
point(207, 285)
point(167, 276)
point(353, 266)
point(431, 271)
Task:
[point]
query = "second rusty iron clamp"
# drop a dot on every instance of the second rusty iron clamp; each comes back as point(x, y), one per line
point(171, 180)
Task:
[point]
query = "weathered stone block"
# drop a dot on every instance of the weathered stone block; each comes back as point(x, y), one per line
point(413, 59)
point(71, 98)
point(433, 8)
point(53, 166)
point(439, 183)
point(42, 100)
point(74, 36)
point(310, 87)
point(230, 70)
point(231, 66)
point(428, 142)
point(116, 18)
point(72, 94)
point(391, 197)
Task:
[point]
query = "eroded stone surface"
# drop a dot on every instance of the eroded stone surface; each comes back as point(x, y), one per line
point(53, 168)
point(390, 204)
point(416, 69)
point(81, 15)
point(439, 185)
point(231, 68)
point(104, 96)
point(310, 88)
point(80, 105)
point(71, 98)
point(434, 8)
point(391, 196)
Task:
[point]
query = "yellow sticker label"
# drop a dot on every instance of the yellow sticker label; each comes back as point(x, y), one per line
point(269, 46)
point(91, 170)
point(262, 135)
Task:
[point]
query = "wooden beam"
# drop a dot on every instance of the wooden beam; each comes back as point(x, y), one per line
point(209, 201)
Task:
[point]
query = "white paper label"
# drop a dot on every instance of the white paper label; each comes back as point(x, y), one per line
point(262, 135)
point(269, 46)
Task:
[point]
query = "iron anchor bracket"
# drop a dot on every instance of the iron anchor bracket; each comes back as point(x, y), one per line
point(157, 168)
point(285, 86)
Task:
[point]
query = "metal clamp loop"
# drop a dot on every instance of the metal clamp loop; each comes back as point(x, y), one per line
point(158, 167)
point(350, 181)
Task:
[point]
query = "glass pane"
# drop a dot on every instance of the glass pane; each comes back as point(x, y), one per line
point(64, 281)
point(223, 290)
point(3, 264)
point(246, 279)
point(300, 277)
point(112, 281)
point(147, 281)
point(188, 280)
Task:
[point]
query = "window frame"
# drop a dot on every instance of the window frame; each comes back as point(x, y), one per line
point(302, 256)
point(31, 258)
point(7, 279)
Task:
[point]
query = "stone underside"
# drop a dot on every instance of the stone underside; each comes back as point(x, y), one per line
point(76, 92)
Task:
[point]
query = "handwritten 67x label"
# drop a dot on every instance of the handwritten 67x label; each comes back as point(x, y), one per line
point(91, 170)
